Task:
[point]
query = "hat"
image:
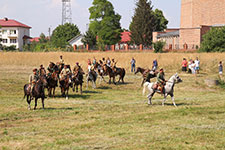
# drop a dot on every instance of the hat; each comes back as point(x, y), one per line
point(77, 63)
point(161, 69)
point(35, 69)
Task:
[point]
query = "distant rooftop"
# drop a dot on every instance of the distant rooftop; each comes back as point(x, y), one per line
point(169, 34)
point(12, 23)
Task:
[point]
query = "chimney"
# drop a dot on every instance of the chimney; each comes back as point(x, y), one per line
point(6, 19)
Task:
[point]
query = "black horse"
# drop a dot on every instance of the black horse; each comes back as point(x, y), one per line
point(121, 72)
point(78, 80)
point(108, 71)
point(37, 92)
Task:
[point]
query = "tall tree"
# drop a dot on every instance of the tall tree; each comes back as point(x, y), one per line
point(143, 23)
point(43, 38)
point(89, 38)
point(63, 33)
point(105, 23)
point(160, 20)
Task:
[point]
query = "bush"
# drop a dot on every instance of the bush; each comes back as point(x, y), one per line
point(9, 48)
point(214, 40)
point(158, 46)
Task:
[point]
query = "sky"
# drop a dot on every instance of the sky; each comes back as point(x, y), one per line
point(44, 14)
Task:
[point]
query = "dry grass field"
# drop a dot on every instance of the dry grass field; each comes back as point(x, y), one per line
point(113, 116)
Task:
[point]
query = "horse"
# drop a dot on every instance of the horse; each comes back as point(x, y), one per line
point(92, 76)
point(65, 84)
point(78, 80)
point(121, 72)
point(145, 72)
point(108, 71)
point(168, 89)
point(100, 71)
point(38, 91)
point(52, 83)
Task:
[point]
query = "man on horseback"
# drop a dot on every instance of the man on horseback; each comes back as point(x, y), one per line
point(65, 71)
point(50, 69)
point(77, 69)
point(160, 81)
point(33, 78)
point(41, 70)
point(114, 65)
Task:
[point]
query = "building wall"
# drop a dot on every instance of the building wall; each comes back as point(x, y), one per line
point(191, 37)
point(20, 32)
point(202, 12)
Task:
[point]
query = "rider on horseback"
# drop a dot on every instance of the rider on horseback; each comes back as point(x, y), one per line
point(114, 65)
point(160, 81)
point(33, 78)
point(65, 71)
point(50, 69)
point(41, 70)
point(77, 69)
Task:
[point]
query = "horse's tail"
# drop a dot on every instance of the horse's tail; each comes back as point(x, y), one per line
point(145, 86)
point(124, 73)
point(24, 90)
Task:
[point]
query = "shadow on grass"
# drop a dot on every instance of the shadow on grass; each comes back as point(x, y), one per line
point(104, 87)
point(125, 83)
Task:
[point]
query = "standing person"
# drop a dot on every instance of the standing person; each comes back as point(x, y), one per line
point(220, 69)
point(193, 67)
point(133, 62)
point(197, 65)
point(184, 65)
point(189, 66)
point(155, 65)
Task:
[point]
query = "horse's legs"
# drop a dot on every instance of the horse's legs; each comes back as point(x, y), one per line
point(164, 99)
point(76, 88)
point(67, 90)
point(93, 85)
point(43, 103)
point(81, 89)
point(73, 87)
point(172, 98)
point(87, 85)
point(150, 98)
point(54, 92)
point(109, 79)
point(28, 101)
point(35, 106)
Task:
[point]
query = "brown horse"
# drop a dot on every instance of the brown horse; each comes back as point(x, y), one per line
point(145, 73)
point(121, 72)
point(78, 80)
point(65, 84)
point(37, 92)
point(52, 83)
point(108, 71)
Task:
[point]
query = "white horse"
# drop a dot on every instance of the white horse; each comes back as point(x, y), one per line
point(168, 89)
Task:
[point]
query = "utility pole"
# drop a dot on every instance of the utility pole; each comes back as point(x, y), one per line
point(66, 12)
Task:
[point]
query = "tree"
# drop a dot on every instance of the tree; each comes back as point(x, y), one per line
point(63, 33)
point(143, 23)
point(105, 23)
point(214, 40)
point(160, 21)
point(89, 38)
point(158, 46)
point(43, 38)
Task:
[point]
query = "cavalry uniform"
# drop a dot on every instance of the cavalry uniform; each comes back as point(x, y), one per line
point(160, 81)
point(33, 78)
point(64, 73)
point(114, 65)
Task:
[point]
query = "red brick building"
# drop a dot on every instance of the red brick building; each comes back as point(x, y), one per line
point(197, 17)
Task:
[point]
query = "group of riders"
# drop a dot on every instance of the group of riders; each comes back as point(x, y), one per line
point(64, 71)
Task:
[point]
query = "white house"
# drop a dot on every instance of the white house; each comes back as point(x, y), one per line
point(77, 41)
point(13, 32)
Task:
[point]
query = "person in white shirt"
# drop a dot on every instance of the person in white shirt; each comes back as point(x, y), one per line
point(197, 64)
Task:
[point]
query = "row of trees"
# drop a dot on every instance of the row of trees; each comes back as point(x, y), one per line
point(105, 29)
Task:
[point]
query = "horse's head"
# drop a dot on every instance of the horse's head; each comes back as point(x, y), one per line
point(54, 76)
point(138, 70)
point(177, 79)
point(43, 80)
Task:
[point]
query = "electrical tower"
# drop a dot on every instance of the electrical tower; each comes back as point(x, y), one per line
point(66, 12)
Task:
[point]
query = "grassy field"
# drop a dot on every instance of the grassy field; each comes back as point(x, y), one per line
point(113, 116)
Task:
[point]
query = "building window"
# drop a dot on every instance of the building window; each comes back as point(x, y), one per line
point(12, 31)
point(13, 41)
point(4, 31)
point(4, 40)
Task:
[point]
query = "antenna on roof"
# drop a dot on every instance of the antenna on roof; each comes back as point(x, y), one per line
point(66, 12)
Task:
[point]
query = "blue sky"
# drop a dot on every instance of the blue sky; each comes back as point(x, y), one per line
point(42, 14)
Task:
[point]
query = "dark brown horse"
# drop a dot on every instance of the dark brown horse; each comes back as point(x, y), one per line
point(37, 92)
point(108, 71)
point(146, 73)
point(65, 84)
point(52, 83)
point(121, 72)
point(78, 80)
